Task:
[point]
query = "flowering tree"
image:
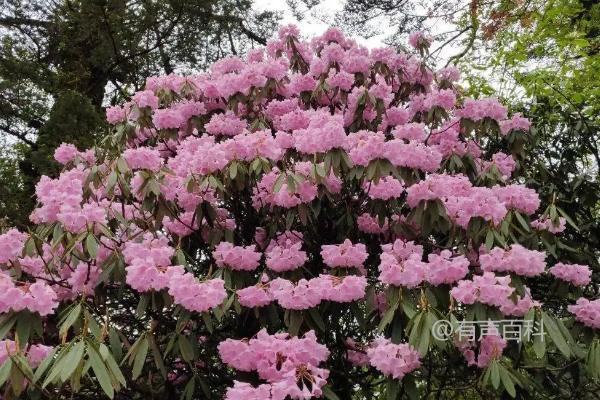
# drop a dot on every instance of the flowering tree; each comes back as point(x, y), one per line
point(315, 220)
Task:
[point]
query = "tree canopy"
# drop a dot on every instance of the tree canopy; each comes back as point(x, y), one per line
point(314, 219)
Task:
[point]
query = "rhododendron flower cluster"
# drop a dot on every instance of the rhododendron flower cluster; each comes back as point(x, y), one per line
point(401, 265)
point(35, 297)
point(34, 353)
point(517, 259)
point(306, 294)
point(547, 224)
point(285, 254)
point(576, 274)
point(308, 192)
point(238, 258)
point(11, 245)
point(491, 346)
point(288, 364)
point(587, 312)
point(344, 255)
point(391, 359)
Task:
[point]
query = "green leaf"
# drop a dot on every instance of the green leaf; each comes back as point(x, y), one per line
point(112, 365)
point(555, 334)
point(316, 318)
point(329, 394)
point(115, 344)
point(296, 319)
point(46, 362)
point(489, 239)
point(8, 321)
point(507, 382)
point(392, 389)
point(567, 218)
point(495, 374)
point(5, 371)
point(387, 317)
point(91, 245)
point(72, 360)
point(522, 221)
point(186, 349)
point(140, 358)
point(70, 320)
point(101, 372)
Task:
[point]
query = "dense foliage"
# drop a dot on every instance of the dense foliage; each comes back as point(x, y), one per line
point(295, 224)
point(61, 61)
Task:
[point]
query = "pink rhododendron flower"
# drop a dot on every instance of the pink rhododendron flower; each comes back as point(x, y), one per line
point(518, 260)
point(587, 312)
point(576, 274)
point(11, 245)
point(387, 188)
point(238, 258)
point(395, 360)
point(344, 255)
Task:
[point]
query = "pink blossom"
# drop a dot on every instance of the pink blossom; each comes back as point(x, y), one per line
point(146, 98)
point(143, 158)
point(587, 312)
point(286, 255)
point(227, 124)
point(516, 123)
point(477, 110)
point(518, 197)
point(341, 289)
point(11, 245)
point(395, 360)
point(387, 188)
point(546, 224)
point(518, 260)
point(65, 153)
point(490, 348)
point(255, 296)
point(238, 258)
point(324, 132)
point(446, 269)
point(167, 119)
point(576, 274)
point(368, 224)
point(344, 255)
point(115, 115)
point(486, 289)
point(419, 40)
point(412, 131)
point(301, 295)
point(194, 295)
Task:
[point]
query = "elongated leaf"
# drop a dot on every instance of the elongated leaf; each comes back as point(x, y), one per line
point(101, 372)
point(46, 362)
point(112, 364)
point(495, 374)
point(507, 382)
point(72, 360)
point(70, 319)
point(329, 394)
point(556, 335)
point(91, 245)
point(140, 358)
point(186, 349)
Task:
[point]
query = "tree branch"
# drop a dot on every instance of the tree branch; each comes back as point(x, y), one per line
point(20, 136)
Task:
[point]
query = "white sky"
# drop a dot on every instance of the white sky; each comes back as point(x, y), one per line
point(321, 17)
point(316, 21)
